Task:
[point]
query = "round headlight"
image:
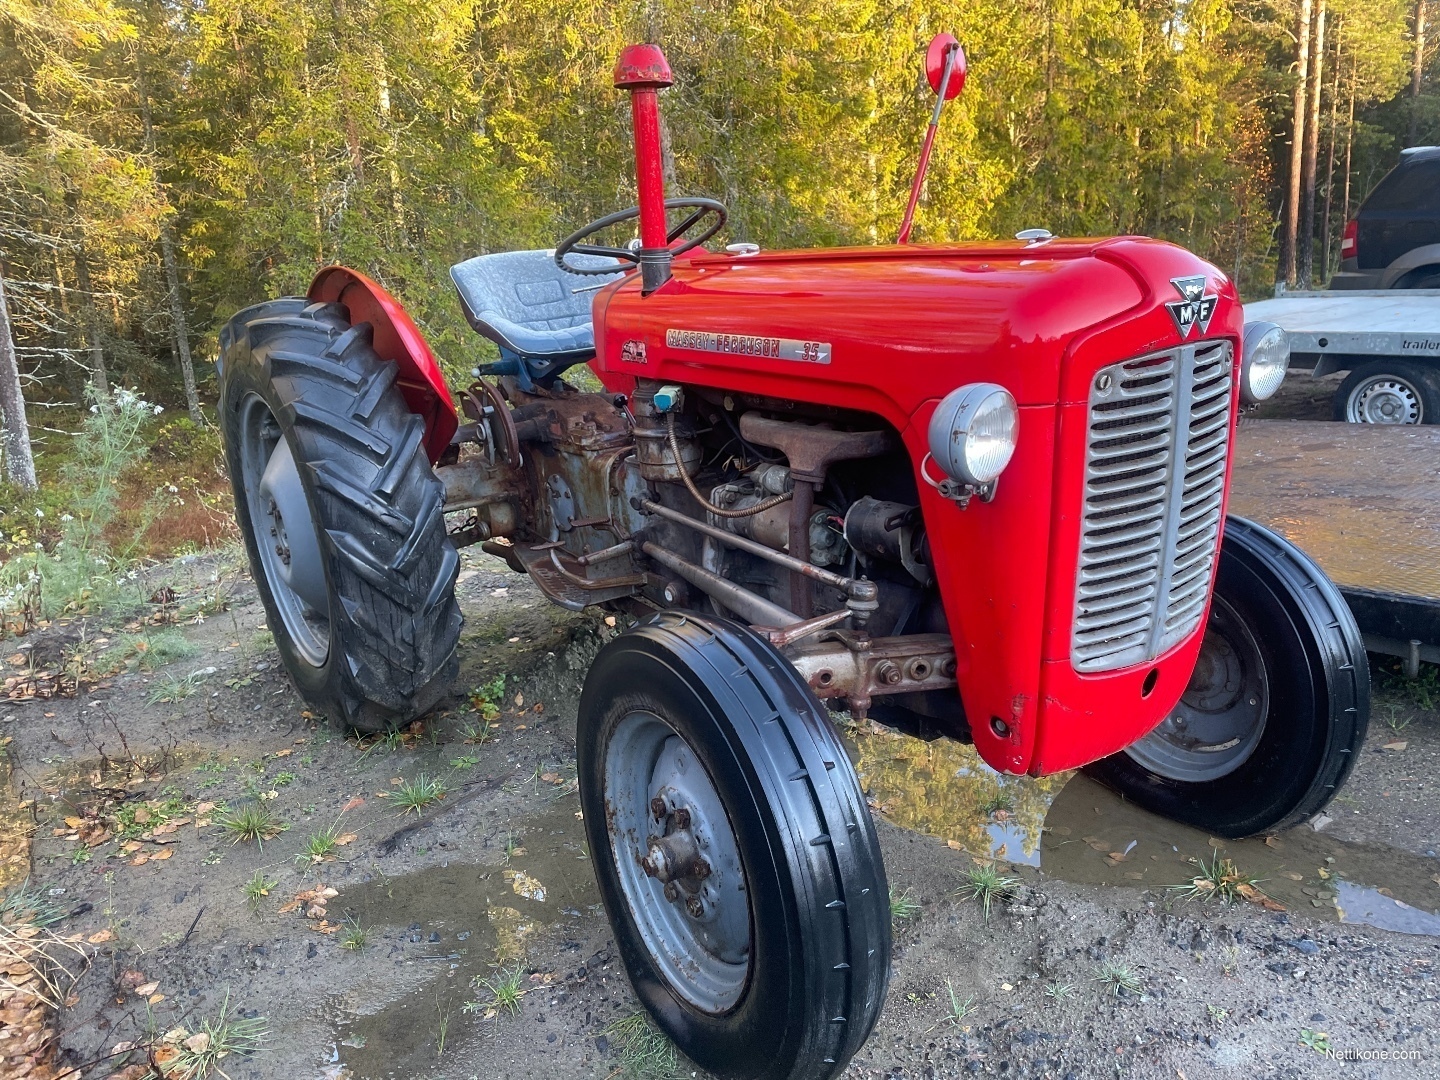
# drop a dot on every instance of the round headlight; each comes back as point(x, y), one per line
point(972, 434)
point(1266, 355)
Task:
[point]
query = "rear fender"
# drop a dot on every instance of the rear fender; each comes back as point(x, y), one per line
point(396, 338)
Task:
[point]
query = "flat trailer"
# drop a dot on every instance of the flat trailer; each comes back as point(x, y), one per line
point(1364, 503)
point(1388, 339)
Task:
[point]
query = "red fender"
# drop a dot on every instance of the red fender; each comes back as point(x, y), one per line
point(396, 338)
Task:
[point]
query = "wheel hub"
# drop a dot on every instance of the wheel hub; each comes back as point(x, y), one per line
point(1385, 400)
point(679, 862)
point(286, 536)
point(1218, 722)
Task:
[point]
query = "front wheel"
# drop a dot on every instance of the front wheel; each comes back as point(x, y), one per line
point(1276, 710)
point(734, 850)
point(342, 516)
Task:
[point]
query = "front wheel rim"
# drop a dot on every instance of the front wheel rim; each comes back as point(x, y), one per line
point(678, 863)
point(1385, 399)
point(1219, 721)
point(286, 537)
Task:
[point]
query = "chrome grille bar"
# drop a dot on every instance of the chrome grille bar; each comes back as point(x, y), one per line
point(1157, 444)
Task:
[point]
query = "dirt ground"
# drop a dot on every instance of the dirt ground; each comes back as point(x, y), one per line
point(411, 924)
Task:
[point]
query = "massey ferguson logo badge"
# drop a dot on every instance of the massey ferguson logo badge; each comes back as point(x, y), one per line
point(1196, 307)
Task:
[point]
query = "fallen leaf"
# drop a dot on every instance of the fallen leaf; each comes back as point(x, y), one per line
point(538, 707)
point(204, 807)
point(1397, 744)
point(519, 699)
point(146, 989)
point(1294, 876)
point(353, 804)
point(202, 823)
point(1255, 896)
point(198, 1043)
point(140, 860)
point(142, 816)
point(289, 906)
point(954, 845)
point(162, 854)
point(131, 978)
point(101, 936)
point(74, 822)
point(283, 753)
point(550, 777)
point(348, 838)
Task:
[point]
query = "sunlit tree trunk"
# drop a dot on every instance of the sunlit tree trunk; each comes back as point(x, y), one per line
point(19, 462)
point(1417, 72)
point(1312, 148)
point(1327, 226)
point(1297, 145)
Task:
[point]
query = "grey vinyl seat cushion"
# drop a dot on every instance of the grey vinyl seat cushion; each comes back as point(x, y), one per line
point(525, 303)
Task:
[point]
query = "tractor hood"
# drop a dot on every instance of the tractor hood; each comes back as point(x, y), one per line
point(887, 328)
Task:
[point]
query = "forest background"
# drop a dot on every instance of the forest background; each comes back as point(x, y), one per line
point(166, 162)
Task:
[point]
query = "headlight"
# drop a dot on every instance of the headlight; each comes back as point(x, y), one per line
point(972, 434)
point(1266, 355)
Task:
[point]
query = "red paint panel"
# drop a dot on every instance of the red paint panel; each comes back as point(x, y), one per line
point(397, 338)
point(906, 325)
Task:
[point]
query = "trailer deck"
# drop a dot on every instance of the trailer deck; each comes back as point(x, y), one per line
point(1363, 501)
point(1331, 331)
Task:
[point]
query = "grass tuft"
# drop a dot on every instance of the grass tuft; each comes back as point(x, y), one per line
point(200, 1055)
point(320, 846)
point(355, 937)
point(257, 888)
point(986, 884)
point(959, 1010)
point(505, 989)
point(1059, 992)
point(641, 1051)
point(253, 821)
point(419, 793)
point(1116, 978)
point(1219, 880)
point(903, 906)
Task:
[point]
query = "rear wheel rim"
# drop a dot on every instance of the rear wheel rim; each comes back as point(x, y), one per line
point(286, 537)
point(1385, 399)
point(678, 862)
point(1221, 717)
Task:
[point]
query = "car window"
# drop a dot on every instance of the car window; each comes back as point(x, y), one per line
point(1414, 186)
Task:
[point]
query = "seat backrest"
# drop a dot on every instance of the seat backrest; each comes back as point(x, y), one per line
point(525, 303)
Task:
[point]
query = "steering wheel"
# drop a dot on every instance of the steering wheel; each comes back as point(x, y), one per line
point(702, 208)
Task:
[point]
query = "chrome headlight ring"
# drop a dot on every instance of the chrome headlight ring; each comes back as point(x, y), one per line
point(1264, 358)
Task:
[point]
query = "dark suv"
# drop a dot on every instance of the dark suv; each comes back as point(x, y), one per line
point(1394, 240)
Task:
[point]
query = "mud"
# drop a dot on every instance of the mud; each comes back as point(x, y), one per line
point(496, 880)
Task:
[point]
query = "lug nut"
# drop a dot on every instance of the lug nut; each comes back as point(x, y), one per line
point(672, 891)
point(947, 667)
point(657, 807)
point(888, 672)
point(682, 818)
point(694, 907)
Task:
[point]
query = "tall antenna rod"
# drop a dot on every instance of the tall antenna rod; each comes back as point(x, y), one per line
point(945, 68)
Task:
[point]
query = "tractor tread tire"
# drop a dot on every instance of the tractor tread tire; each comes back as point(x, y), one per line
point(394, 621)
point(842, 916)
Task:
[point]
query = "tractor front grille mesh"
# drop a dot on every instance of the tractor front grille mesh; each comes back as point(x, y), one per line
point(1156, 447)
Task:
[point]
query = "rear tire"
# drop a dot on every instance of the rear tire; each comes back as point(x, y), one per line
point(1389, 392)
point(779, 970)
point(1283, 688)
point(342, 516)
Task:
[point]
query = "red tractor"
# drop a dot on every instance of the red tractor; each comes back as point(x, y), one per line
point(974, 491)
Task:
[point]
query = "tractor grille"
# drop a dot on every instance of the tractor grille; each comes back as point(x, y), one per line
point(1157, 442)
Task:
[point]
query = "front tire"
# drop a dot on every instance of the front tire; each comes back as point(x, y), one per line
point(734, 850)
point(342, 517)
point(1276, 712)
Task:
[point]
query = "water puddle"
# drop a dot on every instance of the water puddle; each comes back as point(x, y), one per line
point(1074, 829)
point(464, 921)
point(943, 788)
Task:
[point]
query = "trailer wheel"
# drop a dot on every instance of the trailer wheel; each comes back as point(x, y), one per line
point(734, 850)
point(341, 514)
point(1389, 392)
point(1277, 709)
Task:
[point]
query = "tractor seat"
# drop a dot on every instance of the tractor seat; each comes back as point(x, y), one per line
point(528, 306)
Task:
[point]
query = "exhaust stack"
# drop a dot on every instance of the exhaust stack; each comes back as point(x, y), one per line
point(644, 72)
